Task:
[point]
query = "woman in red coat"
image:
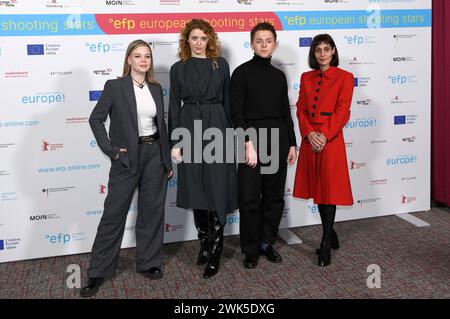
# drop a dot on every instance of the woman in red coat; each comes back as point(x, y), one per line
point(323, 109)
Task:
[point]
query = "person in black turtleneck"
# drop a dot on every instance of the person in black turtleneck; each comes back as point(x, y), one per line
point(259, 99)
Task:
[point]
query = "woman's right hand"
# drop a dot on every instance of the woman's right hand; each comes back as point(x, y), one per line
point(316, 140)
point(176, 155)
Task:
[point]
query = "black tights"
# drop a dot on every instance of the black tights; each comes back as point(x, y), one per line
point(327, 215)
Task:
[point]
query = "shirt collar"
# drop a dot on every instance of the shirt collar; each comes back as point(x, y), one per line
point(328, 74)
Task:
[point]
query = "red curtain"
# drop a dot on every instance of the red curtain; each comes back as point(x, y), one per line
point(440, 126)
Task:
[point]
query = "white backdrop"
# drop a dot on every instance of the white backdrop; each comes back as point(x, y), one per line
point(56, 55)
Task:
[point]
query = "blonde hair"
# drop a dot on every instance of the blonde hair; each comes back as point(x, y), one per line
point(212, 48)
point(149, 75)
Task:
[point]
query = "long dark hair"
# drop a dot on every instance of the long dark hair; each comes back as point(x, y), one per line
point(318, 40)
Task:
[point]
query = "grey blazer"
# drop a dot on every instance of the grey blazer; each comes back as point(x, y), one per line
point(119, 102)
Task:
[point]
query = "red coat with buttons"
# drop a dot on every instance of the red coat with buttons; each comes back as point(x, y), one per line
point(324, 106)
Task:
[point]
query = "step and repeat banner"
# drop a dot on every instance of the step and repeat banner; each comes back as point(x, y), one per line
point(55, 56)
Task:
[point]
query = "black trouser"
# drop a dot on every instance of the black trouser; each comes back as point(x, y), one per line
point(261, 204)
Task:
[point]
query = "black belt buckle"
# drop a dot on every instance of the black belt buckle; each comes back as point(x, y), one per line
point(150, 139)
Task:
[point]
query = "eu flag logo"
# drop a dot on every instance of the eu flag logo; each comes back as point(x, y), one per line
point(95, 95)
point(35, 49)
point(400, 120)
point(305, 42)
point(2, 245)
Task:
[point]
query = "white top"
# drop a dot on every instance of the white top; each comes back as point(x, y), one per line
point(146, 111)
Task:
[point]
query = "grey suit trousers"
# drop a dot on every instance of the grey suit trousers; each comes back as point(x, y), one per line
point(151, 181)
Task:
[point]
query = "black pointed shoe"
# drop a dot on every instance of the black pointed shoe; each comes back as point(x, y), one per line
point(251, 260)
point(334, 242)
point(153, 273)
point(324, 254)
point(271, 254)
point(91, 287)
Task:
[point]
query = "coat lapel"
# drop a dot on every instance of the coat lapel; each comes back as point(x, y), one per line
point(128, 92)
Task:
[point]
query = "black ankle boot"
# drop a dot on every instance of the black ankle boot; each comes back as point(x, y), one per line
point(324, 254)
point(216, 246)
point(334, 243)
point(201, 223)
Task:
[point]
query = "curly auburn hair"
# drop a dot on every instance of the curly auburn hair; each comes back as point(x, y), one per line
point(212, 48)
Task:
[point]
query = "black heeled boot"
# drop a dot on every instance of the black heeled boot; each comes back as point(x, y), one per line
point(329, 238)
point(201, 223)
point(216, 245)
point(334, 243)
point(324, 254)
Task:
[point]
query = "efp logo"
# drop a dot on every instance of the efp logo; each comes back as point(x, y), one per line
point(99, 47)
point(312, 209)
point(35, 49)
point(95, 95)
point(304, 42)
point(233, 219)
point(359, 40)
point(59, 238)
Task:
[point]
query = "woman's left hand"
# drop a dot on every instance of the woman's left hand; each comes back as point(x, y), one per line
point(170, 174)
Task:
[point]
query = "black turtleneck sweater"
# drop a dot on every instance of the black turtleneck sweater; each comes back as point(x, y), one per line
point(258, 91)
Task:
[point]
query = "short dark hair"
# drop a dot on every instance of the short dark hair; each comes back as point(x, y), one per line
point(319, 39)
point(263, 26)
